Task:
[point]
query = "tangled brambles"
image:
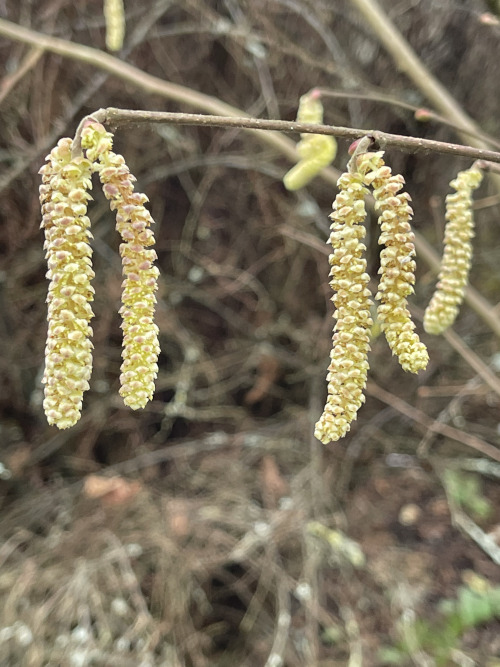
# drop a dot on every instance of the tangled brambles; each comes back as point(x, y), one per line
point(351, 341)
point(68, 354)
point(454, 274)
point(397, 266)
point(140, 333)
point(316, 151)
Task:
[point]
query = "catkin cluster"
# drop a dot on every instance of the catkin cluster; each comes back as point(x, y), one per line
point(348, 369)
point(455, 266)
point(64, 193)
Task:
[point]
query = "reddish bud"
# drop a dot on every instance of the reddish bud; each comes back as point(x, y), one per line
point(423, 115)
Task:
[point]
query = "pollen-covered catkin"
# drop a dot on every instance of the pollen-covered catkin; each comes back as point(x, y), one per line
point(397, 266)
point(140, 333)
point(68, 352)
point(316, 151)
point(352, 299)
point(455, 266)
point(114, 16)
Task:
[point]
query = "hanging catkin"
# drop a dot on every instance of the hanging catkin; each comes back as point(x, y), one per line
point(397, 266)
point(316, 151)
point(140, 333)
point(455, 266)
point(114, 16)
point(352, 299)
point(68, 352)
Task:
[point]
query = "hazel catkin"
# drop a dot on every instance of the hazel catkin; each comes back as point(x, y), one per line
point(457, 256)
point(68, 352)
point(348, 367)
point(397, 266)
point(316, 151)
point(140, 333)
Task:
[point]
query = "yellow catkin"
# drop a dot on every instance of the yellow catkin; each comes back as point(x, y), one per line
point(397, 266)
point(455, 266)
point(114, 16)
point(352, 299)
point(140, 334)
point(316, 151)
point(68, 352)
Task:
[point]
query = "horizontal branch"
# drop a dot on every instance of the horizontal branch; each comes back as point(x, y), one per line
point(119, 117)
point(149, 84)
point(191, 97)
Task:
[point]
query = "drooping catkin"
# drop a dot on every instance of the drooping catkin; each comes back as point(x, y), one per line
point(397, 266)
point(352, 299)
point(316, 151)
point(114, 16)
point(68, 352)
point(455, 266)
point(140, 333)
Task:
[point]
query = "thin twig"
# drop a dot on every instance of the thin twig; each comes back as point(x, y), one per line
point(118, 117)
point(30, 60)
point(408, 62)
point(192, 98)
point(430, 424)
point(429, 115)
point(276, 657)
point(482, 539)
point(473, 360)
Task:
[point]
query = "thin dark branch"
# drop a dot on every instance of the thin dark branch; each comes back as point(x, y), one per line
point(120, 117)
point(191, 97)
point(420, 113)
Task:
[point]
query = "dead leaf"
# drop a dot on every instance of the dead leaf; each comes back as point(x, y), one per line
point(178, 512)
point(267, 374)
point(110, 490)
point(273, 485)
point(17, 460)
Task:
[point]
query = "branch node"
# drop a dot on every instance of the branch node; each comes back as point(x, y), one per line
point(379, 140)
point(357, 148)
point(99, 116)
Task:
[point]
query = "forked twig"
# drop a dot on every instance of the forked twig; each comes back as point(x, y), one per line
point(420, 418)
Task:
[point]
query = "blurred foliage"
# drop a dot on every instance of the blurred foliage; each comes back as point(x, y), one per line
point(465, 491)
point(439, 637)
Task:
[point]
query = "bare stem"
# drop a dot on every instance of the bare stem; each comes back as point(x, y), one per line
point(408, 62)
point(183, 95)
point(430, 424)
point(429, 114)
point(193, 98)
point(126, 117)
